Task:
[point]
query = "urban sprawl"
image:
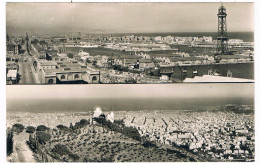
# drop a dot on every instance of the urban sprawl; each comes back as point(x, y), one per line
point(222, 133)
point(86, 58)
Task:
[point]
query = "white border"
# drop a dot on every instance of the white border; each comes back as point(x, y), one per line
point(3, 54)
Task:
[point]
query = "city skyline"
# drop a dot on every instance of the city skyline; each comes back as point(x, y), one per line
point(125, 17)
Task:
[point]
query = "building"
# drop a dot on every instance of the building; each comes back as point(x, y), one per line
point(97, 112)
point(42, 55)
point(13, 48)
point(60, 57)
point(186, 60)
point(50, 53)
point(11, 77)
point(66, 72)
point(110, 117)
point(145, 63)
point(233, 58)
point(83, 55)
point(166, 69)
point(76, 57)
point(10, 65)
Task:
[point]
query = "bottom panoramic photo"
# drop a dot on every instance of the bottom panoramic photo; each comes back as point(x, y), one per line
point(131, 123)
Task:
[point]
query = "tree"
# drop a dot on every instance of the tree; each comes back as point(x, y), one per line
point(18, 128)
point(63, 128)
point(88, 61)
point(94, 63)
point(9, 142)
point(7, 37)
point(61, 149)
point(42, 128)
point(74, 157)
point(70, 55)
point(43, 137)
point(30, 129)
point(149, 144)
point(83, 122)
point(71, 126)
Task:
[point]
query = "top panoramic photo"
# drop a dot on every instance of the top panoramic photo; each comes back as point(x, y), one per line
point(110, 43)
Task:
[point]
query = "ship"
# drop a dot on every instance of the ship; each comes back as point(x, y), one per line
point(195, 72)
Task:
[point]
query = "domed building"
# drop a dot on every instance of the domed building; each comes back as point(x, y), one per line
point(97, 112)
point(110, 117)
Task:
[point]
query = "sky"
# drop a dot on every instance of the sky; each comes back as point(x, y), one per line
point(213, 90)
point(125, 17)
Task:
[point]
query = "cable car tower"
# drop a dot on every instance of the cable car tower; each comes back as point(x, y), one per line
point(222, 37)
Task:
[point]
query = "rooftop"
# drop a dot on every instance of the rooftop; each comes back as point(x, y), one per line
point(232, 56)
point(67, 67)
point(212, 78)
point(12, 73)
point(186, 58)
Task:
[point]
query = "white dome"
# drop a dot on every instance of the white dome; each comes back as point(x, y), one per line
point(110, 117)
point(97, 112)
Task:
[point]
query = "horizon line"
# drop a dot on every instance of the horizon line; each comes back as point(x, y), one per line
point(138, 32)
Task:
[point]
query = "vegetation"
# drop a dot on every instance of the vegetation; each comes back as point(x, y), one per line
point(62, 150)
point(9, 142)
point(42, 128)
point(73, 156)
point(119, 126)
point(80, 124)
point(18, 127)
point(149, 144)
point(30, 129)
point(70, 55)
point(63, 128)
point(43, 137)
point(120, 68)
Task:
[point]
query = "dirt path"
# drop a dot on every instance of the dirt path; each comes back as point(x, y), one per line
point(21, 150)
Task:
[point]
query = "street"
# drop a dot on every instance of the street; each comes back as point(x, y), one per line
point(25, 72)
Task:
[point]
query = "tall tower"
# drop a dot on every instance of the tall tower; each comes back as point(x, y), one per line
point(222, 37)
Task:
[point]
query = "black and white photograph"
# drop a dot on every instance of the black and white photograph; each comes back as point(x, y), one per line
point(121, 81)
point(86, 43)
point(137, 123)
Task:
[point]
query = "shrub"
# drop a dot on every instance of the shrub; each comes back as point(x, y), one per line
point(42, 128)
point(18, 128)
point(43, 137)
point(63, 128)
point(70, 55)
point(119, 126)
point(83, 122)
point(149, 144)
point(9, 142)
point(61, 150)
point(30, 129)
point(74, 157)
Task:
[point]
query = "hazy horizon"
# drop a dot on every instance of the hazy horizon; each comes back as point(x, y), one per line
point(215, 90)
point(50, 18)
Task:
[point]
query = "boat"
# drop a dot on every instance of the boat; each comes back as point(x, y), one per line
point(216, 74)
point(184, 71)
point(195, 72)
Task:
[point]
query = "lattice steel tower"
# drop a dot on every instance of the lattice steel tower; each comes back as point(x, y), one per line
point(222, 37)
